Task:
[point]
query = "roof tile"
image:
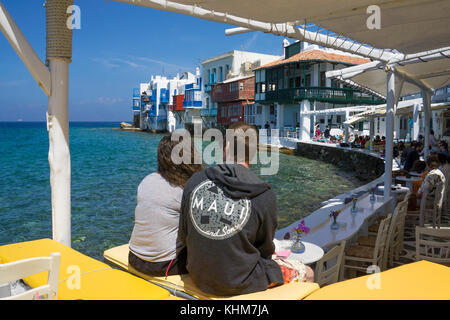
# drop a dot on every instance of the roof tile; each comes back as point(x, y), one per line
point(317, 55)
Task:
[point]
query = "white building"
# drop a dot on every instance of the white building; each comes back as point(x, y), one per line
point(232, 64)
point(288, 89)
point(156, 96)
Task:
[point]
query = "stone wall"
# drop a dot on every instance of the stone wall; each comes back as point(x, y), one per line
point(366, 167)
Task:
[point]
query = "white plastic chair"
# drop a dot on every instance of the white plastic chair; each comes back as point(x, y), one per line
point(17, 270)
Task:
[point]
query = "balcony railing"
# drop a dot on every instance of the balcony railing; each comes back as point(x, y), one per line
point(208, 112)
point(325, 94)
point(192, 103)
point(208, 88)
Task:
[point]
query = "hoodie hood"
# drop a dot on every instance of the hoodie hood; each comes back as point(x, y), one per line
point(236, 180)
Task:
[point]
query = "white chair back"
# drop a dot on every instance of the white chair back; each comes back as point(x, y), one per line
point(433, 245)
point(17, 270)
point(326, 271)
point(380, 242)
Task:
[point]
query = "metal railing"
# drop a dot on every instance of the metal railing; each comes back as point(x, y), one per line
point(326, 94)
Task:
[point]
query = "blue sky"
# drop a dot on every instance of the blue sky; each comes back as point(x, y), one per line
point(118, 46)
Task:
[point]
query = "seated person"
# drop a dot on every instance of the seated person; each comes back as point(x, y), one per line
point(228, 222)
point(155, 248)
point(407, 150)
point(434, 181)
point(413, 155)
point(443, 147)
point(326, 133)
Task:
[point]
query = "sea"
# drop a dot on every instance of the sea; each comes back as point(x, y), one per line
point(107, 166)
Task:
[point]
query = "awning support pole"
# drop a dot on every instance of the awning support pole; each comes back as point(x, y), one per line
point(59, 54)
point(427, 113)
point(390, 109)
point(59, 153)
point(371, 131)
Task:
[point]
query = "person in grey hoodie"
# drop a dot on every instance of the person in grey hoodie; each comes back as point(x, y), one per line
point(228, 221)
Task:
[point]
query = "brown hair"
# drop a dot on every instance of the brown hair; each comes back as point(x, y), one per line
point(175, 174)
point(250, 151)
point(433, 161)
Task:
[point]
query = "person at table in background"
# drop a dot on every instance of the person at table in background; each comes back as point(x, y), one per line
point(413, 155)
point(421, 139)
point(228, 222)
point(155, 247)
point(433, 145)
point(317, 130)
point(377, 140)
point(396, 163)
point(434, 181)
point(326, 133)
point(401, 147)
point(407, 150)
point(443, 147)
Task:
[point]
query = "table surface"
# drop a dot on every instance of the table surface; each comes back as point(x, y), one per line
point(395, 189)
point(350, 223)
point(311, 254)
point(402, 178)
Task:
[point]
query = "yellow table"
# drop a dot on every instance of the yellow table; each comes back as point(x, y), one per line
point(421, 280)
point(96, 281)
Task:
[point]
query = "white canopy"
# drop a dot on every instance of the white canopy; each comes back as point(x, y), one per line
point(430, 73)
point(408, 26)
point(403, 108)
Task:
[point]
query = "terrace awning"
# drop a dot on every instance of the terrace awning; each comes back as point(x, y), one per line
point(430, 71)
point(408, 26)
point(403, 108)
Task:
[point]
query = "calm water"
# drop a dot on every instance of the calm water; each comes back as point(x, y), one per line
point(107, 166)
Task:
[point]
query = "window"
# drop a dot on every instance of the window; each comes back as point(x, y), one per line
point(241, 86)
point(259, 110)
point(291, 82)
point(322, 79)
point(297, 82)
point(308, 80)
point(263, 87)
point(221, 74)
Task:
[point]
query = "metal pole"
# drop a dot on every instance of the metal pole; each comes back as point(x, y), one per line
point(390, 115)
